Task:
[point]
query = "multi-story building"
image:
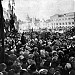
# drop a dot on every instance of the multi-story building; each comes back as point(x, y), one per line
point(62, 21)
point(55, 22)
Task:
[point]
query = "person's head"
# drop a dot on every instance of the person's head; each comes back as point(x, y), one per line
point(57, 73)
point(32, 67)
point(24, 72)
point(11, 72)
point(2, 67)
point(43, 72)
point(35, 49)
point(51, 70)
point(68, 65)
point(1, 73)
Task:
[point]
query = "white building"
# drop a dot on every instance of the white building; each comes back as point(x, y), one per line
point(61, 21)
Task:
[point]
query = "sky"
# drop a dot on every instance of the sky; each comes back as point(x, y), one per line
point(41, 9)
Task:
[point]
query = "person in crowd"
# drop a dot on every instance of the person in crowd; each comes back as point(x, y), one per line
point(26, 56)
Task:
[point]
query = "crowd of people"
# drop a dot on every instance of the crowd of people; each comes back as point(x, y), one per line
point(33, 56)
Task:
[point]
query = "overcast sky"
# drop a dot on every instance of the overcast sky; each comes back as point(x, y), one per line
point(41, 8)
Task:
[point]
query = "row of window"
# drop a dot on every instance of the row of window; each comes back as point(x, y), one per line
point(66, 23)
point(63, 19)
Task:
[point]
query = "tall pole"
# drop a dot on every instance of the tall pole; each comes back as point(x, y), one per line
point(2, 32)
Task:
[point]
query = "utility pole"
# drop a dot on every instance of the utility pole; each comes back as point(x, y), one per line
point(2, 33)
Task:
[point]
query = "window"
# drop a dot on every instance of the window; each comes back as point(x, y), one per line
point(72, 22)
point(60, 23)
point(69, 18)
point(56, 23)
point(66, 23)
point(60, 27)
point(69, 22)
point(72, 18)
point(63, 23)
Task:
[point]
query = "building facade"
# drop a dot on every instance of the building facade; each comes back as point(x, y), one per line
point(62, 21)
